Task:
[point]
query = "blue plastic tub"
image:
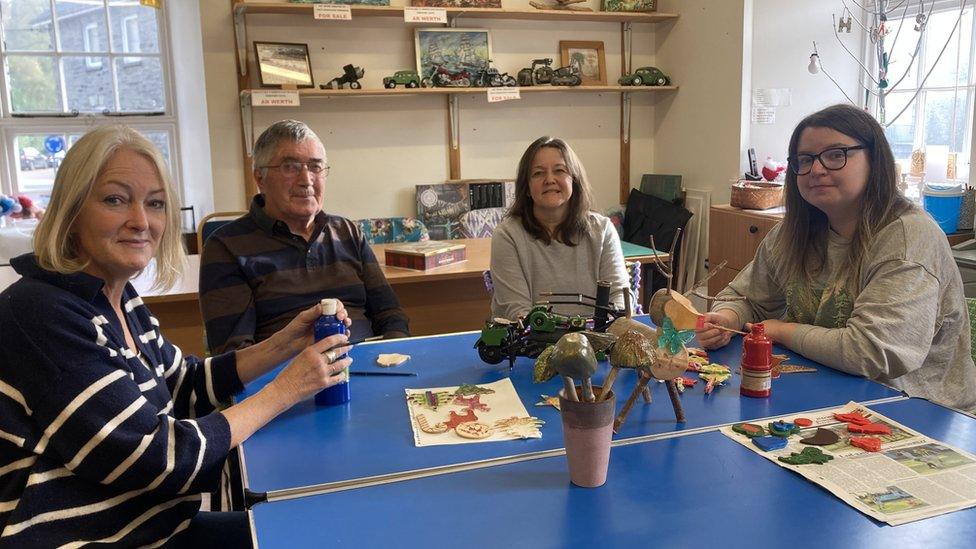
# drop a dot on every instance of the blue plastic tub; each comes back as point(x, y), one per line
point(943, 202)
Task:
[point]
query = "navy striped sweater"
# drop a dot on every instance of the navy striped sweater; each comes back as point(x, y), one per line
point(97, 445)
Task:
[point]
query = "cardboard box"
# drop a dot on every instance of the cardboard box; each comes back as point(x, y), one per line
point(421, 256)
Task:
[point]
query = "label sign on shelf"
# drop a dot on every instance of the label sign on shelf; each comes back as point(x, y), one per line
point(424, 15)
point(275, 98)
point(503, 94)
point(333, 12)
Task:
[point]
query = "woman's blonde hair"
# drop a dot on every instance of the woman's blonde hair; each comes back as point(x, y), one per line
point(54, 245)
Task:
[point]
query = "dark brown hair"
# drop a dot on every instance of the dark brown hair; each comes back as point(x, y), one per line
point(802, 242)
point(574, 226)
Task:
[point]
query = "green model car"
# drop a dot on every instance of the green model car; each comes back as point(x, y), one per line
point(645, 76)
point(409, 79)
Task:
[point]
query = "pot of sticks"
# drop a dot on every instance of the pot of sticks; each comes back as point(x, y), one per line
point(587, 421)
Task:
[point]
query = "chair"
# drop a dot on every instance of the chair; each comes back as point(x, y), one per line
point(211, 223)
point(384, 230)
point(481, 223)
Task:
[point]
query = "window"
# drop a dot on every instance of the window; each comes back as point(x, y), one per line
point(939, 119)
point(69, 64)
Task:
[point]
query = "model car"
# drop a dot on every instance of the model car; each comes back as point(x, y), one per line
point(409, 79)
point(645, 76)
point(350, 75)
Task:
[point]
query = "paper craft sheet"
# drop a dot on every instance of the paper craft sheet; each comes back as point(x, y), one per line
point(502, 404)
point(912, 477)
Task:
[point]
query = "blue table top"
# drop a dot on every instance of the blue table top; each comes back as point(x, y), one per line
point(701, 490)
point(371, 435)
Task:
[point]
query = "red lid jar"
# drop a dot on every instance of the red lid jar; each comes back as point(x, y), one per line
point(757, 363)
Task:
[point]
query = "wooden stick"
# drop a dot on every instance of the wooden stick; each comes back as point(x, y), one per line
point(679, 412)
point(570, 389)
point(641, 385)
point(646, 393)
point(588, 395)
point(608, 383)
point(720, 327)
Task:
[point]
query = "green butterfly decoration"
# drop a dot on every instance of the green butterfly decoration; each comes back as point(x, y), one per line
point(672, 339)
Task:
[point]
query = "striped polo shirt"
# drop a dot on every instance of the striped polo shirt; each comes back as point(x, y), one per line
point(100, 443)
point(256, 276)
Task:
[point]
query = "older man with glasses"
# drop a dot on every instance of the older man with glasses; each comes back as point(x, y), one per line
point(258, 272)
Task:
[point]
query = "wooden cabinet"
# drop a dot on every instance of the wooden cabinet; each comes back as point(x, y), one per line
point(734, 235)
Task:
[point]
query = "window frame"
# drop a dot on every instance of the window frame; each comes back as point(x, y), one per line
point(32, 123)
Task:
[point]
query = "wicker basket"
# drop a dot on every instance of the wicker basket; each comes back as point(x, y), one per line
point(756, 195)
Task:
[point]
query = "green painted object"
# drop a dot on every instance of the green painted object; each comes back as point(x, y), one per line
point(809, 455)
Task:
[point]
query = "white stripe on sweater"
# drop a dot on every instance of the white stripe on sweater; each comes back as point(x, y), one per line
point(105, 431)
point(200, 454)
point(73, 406)
point(132, 304)
point(135, 455)
point(100, 337)
point(38, 478)
point(143, 387)
point(148, 336)
point(17, 465)
point(19, 441)
point(8, 505)
point(177, 362)
point(14, 394)
point(134, 524)
point(208, 376)
point(179, 528)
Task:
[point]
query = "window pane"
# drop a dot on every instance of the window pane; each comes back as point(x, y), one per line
point(901, 134)
point(937, 32)
point(898, 57)
point(82, 26)
point(88, 81)
point(34, 84)
point(161, 140)
point(939, 129)
point(134, 27)
point(27, 25)
point(36, 164)
point(140, 84)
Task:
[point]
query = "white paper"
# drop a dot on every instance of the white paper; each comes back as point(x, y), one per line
point(424, 15)
point(275, 98)
point(772, 97)
point(503, 94)
point(333, 12)
point(763, 115)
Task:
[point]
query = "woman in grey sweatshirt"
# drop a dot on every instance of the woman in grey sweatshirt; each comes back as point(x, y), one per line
point(856, 277)
point(550, 241)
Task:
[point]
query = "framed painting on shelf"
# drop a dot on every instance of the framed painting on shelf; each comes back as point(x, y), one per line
point(283, 64)
point(589, 57)
point(457, 3)
point(354, 2)
point(455, 53)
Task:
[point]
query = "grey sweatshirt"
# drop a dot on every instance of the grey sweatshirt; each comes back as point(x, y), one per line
point(909, 326)
point(522, 267)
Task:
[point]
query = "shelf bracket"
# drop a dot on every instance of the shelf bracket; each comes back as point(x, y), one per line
point(625, 118)
point(247, 122)
point(455, 121)
point(240, 35)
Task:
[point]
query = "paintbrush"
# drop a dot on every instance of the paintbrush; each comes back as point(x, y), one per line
point(352, 342)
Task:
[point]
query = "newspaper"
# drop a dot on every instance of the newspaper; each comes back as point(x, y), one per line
point(913, 477)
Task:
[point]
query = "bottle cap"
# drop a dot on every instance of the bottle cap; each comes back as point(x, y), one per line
point(329, 306)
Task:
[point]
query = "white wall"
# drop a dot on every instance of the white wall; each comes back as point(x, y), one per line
point(381, 147)
point(783, 32)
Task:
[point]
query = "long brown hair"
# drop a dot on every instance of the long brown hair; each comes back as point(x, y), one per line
point(802, 242)
point(573, 226)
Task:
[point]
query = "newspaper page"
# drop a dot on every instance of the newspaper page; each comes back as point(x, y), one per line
point(912, 477)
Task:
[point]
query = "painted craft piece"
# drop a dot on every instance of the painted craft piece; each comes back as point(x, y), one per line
point(782, 428)
point(803, 422)
point(770, 443)
point(870, 444)
point(869, 429)
point(387, 360)
point(853, 417)
point(809, 455)
point(468, 414)
point(574, 358)
point(749, 429)
point(548, 401)
point(823, 437)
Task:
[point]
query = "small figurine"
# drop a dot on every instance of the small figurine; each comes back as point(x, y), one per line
point(351, 75)
point(645, 76)
point(409, 79)
point(567, 76)
point(574, 358)
point(539, 73)
point(489, 77)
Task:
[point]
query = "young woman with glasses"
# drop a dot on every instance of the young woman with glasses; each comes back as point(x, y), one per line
point(856, 277)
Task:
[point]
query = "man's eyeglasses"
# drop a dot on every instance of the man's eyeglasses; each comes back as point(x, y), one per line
point(292, 168)
point(832, 159)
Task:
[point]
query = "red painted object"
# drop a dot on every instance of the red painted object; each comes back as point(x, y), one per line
point(757, 363)
point(870, 444)
point(803, 422)
point(854, 417)
point(869, 429)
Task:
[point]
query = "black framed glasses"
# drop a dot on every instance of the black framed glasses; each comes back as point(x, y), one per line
point(292, 168)
point(834, 158)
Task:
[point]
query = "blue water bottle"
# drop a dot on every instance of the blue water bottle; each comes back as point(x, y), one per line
point(328, 325)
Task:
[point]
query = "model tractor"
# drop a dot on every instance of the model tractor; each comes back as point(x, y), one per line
point(505, 339)
point(567, 76)
point(539, 73)
point(350, 75)
point(489, 77)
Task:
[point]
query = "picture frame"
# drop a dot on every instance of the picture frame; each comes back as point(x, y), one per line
point(591, 58)
point(456, 51)
point(457, 3)
point(283, 64)
point(349, 2)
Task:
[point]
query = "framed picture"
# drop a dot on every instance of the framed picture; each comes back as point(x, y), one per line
point(282, 63)
point(453, 52)
point(354, 2)
point(589, 57)
point(457, 3)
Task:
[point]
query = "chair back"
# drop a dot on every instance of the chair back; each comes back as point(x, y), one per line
point(211, 223)
point(384, 230)
point(481, 223)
